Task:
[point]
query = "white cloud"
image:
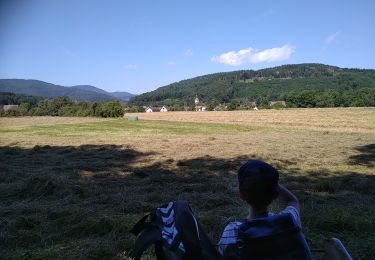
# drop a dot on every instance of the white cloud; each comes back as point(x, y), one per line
point(331, 37)
point(188, 53)
point(172, 63)
point(251, 55)
point(131, 66)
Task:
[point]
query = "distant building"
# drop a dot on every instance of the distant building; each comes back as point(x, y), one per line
point(151, 109)
point(8, 107)
point(252, 105)
point(148, 110)
point(199, 106)
point(221, 107)
point(249, 105)
point(164, 109)
point(277, 102)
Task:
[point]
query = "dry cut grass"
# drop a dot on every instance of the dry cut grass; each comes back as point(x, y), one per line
point(331, 119)
point(73, 190)
point(46, 120)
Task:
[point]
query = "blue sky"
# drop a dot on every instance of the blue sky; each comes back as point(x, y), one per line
point(138, 46)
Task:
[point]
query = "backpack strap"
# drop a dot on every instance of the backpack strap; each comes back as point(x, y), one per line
point(147, 230)
point(188, 229)
point(145, 239)
point(140, 225)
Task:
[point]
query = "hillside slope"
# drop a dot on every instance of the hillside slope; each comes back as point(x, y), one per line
point(261, 85)
point(122, 96)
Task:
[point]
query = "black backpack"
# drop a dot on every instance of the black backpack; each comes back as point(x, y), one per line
point(273, 237)
point(175, 233)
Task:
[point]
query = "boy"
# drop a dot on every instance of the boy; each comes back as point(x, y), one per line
point(258, 186)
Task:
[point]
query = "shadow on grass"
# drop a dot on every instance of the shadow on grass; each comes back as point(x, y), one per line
point(80, 202)
point(366, 156)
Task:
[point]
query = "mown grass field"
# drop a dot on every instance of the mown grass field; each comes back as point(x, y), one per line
point(73, 187)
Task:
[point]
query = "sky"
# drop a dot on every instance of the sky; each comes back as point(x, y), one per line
point(138, 46)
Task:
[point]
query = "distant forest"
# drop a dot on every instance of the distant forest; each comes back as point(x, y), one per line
point(61, 106)
point(302, 85)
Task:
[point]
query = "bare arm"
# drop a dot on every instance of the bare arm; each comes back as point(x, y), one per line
point(288, 197)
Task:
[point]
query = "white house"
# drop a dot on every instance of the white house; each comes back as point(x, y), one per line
point(150, 109)
point(164, 109)
point(278, 102)
point(8, 107)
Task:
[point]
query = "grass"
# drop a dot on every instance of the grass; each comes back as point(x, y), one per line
point(73, 190)
point(327, 119)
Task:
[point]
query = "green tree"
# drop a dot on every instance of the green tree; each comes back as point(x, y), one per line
point(12, 112)
point(112, 109)
point(24, 109)
point(56, 104)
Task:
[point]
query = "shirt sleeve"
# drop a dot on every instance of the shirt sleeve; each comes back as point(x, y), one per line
point(228, 237)
point(295, 214)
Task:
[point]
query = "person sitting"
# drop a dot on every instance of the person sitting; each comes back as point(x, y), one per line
point(264, 235)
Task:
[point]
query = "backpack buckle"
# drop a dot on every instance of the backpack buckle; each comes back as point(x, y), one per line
point(240, 243)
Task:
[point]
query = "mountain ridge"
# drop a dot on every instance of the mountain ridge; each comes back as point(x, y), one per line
point(50, 90)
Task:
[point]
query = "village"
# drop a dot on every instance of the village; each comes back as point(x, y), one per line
point(199, 106)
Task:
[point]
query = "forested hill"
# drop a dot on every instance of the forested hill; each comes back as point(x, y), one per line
point(44, 89)
point(301, 85)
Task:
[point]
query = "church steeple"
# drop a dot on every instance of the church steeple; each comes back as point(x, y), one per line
point(196, 100)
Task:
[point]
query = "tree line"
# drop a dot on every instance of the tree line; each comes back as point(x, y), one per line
point(61, 106)
point(364, 97)
point(7, 98)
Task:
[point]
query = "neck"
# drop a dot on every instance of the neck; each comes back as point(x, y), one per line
point(257, 213)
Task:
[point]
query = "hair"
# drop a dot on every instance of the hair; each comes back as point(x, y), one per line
point(258, 182)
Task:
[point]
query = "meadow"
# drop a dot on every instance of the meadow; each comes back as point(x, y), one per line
point(73, 187)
